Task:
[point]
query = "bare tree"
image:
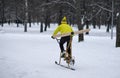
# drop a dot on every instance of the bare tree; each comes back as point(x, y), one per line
point(118, 32)
point(0, 11)
point(3, 12)
point(26, 15)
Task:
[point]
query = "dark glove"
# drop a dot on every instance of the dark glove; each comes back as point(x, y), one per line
point(52, 37)
point(72, 33)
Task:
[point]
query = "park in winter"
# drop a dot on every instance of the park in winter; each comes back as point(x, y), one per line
point(59, 39)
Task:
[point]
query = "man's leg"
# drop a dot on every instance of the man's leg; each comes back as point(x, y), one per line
point(62, 41)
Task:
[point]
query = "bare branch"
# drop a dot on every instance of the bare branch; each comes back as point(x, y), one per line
point(101, 7)
point(74, 1)
point(95, 14)
point(58, 2)
point(68, 4)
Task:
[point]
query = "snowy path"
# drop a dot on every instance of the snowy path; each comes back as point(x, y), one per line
point(25, 55)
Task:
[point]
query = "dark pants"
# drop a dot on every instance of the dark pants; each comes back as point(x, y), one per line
point(63, 40)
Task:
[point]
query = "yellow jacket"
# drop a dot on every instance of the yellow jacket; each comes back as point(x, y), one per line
point(63, 28)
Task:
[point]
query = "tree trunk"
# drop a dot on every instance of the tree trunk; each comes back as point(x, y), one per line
point(46, 23)
point(94, 23)
point(29, 20)
point(41, 27)
point(118, 32)
point(26, 15)
point(3, 12)
point(87, 26)
point(60, 17)
point(16, 13)
point(108, 26)
point(80, 27)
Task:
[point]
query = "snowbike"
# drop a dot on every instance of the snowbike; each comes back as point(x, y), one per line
point(68, 58)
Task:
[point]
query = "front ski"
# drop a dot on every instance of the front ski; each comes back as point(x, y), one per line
point(64, 66)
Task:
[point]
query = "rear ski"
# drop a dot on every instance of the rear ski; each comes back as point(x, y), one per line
point(68, 67)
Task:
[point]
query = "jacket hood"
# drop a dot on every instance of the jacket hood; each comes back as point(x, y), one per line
point(64, 20)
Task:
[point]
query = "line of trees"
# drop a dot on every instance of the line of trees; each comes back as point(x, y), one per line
point(95, 12)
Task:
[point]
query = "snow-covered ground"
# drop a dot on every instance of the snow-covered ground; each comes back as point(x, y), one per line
point(32, 54)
